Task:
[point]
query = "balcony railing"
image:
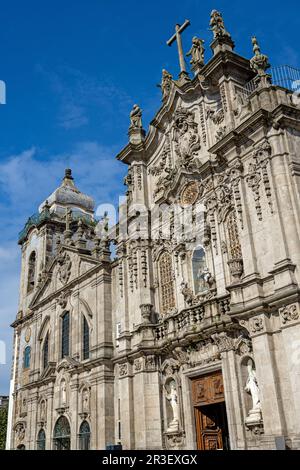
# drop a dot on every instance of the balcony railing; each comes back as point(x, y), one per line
point(192, 320)
point(284, 76)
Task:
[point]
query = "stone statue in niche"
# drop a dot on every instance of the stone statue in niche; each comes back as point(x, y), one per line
point(63, 392)
point(252, 386)
point(85, 401)
point(254, 418)
point(172, 396)
point(43, 411)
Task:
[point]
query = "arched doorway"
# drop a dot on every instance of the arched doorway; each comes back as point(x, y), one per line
point(62, 434)
point(84, 436)
point(41, 440)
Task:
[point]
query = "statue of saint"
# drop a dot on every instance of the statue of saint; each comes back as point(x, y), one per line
point(63, 392)
point(217, 24)
point(86, 401)
point(136, 117)
point(166, 83)
point(172, 397)
point(252, 386)
point(197, 52)
point(43, 411)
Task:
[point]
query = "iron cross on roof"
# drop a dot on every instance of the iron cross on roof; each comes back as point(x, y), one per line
point(177, 37)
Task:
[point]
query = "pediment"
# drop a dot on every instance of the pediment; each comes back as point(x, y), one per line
point(66, 268)
point(66, 363)
point(49, 371)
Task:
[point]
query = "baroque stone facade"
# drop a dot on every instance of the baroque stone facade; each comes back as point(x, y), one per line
point(189, 338)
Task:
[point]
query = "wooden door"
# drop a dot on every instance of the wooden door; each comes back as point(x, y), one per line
point(210, 412)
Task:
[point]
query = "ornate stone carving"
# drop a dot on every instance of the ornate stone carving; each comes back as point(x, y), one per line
point(195, 299)
point(257, 173)
point(203, 352)
point(28, 334)
point(63, 299)
point(65, 265)
point(221, 132)
point(186, 137)
point(174, 441)
point(223, 341)
point(259, 62)
point(20, 432)
point(217, 116)
point(123, 369)
point(138, 364)
point(256, 325)
point(150, 363)
point(190, 194)
point(146, 310)
point(289, 313)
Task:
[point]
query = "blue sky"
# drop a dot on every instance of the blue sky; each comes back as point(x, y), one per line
point(73, 70)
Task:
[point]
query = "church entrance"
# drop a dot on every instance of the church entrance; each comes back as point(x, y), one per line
point(62, 434)
point(210, 412)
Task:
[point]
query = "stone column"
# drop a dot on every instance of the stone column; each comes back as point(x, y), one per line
point(126, 396)
point(147, 407)
point(103, 384)
point(290, 326)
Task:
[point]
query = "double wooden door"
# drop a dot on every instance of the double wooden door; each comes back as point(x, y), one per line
point(210, 412)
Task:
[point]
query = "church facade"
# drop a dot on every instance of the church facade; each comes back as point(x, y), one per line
point(189, 337)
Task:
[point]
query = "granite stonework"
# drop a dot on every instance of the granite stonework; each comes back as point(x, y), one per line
point(154, 324)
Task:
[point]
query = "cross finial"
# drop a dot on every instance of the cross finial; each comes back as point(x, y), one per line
point(177, 37)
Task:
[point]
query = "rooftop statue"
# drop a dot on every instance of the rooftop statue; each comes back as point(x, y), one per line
point(197, 52)
point(136, 117)
point(217, 25)
point(259, 62)
point(166, 83)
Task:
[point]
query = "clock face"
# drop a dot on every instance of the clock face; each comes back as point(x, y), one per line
point(190, 194)
point(27, 335)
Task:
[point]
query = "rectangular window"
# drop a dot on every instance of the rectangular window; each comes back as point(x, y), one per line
point(65, 333)
point(86, 339)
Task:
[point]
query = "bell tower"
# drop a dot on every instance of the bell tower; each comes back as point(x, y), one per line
point(45, 230)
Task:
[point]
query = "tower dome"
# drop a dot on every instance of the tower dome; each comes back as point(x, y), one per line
point(68, 195)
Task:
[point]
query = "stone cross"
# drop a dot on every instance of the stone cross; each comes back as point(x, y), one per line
point(177, 37)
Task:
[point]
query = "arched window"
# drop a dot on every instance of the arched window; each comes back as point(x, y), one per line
point(84, 436)
point(62, 434)
point(85, 339)
point(65, 335)
point(27, 354)
point(41, 440)
point(31, 271)
point(166, 282)
point(46, 351)
point(199, 270)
